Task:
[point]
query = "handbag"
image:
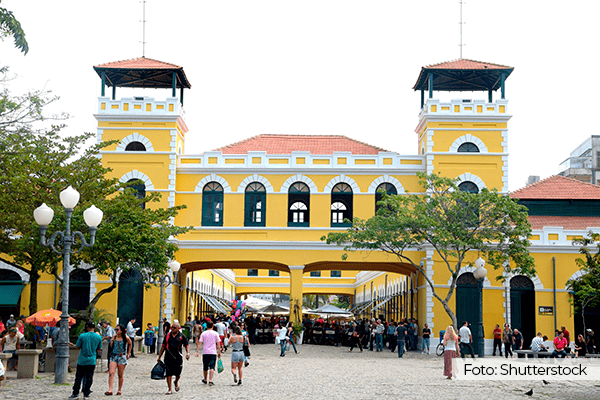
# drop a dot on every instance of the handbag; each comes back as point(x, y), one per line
point(220, 366)
point(246, 348)
point(159, 371)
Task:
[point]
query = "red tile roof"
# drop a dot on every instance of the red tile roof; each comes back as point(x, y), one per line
point(285, 144)
point(558, 187)
point(571, 223)
point(139, 63)
point(463, 63)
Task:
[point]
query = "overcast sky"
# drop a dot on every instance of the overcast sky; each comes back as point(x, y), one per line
point(313, 67)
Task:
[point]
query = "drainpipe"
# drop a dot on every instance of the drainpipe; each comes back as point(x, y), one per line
point(554, 288)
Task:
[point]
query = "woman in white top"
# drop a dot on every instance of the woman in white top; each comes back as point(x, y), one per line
point(281, 336)
point(450, 350)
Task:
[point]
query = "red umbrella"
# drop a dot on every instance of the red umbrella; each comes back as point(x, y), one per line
point(50, 317)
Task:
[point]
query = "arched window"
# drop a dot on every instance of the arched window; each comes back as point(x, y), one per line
point(140, 189)
point(468, 147)
point(387, 188)
point(255, 206)
point(212, 204)
point(79, 289)
point(299, 205)
point(469, 187)
point(341, 204)
point(135, 146)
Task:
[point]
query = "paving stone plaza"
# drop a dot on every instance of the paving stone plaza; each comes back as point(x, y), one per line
point(318, 372)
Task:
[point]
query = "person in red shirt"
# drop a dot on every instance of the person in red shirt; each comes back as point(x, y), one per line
point(567, 334)
point(497, 340)
point(560, 343)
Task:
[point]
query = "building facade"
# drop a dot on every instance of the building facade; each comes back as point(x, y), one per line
point(259, 207)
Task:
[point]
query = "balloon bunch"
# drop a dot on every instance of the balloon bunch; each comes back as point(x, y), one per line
point(238, 309)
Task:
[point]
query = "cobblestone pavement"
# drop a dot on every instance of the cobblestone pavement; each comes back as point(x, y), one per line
point(319, 372)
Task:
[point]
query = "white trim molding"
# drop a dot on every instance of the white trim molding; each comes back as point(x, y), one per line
point(298, 178)
point(255, 178)
point(472, 178)
point(470, 268)
point(341, 178)
point(468, 138)
point(212, 178)
point(135, 137)
point(24, 276)
point(135, 174)
point(386, 179)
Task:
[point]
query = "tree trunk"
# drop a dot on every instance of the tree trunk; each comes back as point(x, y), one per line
point(101, 293)
point(33, 290)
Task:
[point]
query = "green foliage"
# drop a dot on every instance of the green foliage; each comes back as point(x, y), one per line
point(9, 26)
point(587, 287)
point(36, 165)
point(342, 302)
point(457, 225)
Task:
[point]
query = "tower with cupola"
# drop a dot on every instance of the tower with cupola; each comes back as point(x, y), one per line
point(465, 138)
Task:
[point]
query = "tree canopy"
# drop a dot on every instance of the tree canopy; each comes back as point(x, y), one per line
point(36, 165)
point(457, 225)
point(9, 26)
point(587, 286)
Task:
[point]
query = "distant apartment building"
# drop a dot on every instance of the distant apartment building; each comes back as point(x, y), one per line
point(583, 163)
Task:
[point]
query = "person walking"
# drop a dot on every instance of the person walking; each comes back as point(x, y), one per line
point(131, 333)
point(426, 338)
point(465, 339)
point(237, 341)
point(289, 337)
point(281, 336)
point(379, 329)
point(121, 345)
point(391, 331)
point(172, 347)
point(355, 337)
point(507, 340)
point(211, 350)
point(88, 344)
point(197, 330)
point(497, 340)
point(150, 339)
point(450, 351)
point(401, 333)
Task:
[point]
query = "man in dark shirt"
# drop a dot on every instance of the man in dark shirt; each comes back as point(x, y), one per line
point(401, 333)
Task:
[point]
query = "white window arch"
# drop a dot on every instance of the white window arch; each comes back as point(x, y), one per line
point(135, 137)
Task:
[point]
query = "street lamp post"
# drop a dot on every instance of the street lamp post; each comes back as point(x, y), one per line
point(480, 274)
point(66, 239)
point(164, 281)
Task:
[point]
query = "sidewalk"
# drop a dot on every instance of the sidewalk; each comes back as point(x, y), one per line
point(319, 372)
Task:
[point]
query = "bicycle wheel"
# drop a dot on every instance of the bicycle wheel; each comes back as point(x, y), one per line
point(439, 350)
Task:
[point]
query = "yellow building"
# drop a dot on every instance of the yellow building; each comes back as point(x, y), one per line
point(260, 206)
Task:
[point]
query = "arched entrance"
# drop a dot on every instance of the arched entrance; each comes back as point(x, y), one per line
point(11, 286)
point(467, 305)
point(131, 297)
point(522, 307)
point(592, 318)
point(79, 289)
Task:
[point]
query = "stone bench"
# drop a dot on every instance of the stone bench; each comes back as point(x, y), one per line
point(137, 345)
point(4, 359)
point(535, 354)
point(28, 363)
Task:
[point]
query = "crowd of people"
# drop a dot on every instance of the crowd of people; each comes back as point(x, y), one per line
point(213, 335)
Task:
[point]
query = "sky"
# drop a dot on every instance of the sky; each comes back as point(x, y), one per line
point(326, 67)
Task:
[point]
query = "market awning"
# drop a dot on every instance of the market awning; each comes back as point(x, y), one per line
point(215, 305)
point(364, 307)
point(10, 294)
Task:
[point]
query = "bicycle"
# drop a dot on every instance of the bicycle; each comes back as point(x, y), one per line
point(439, 350)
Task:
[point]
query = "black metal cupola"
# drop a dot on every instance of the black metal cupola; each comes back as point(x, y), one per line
point(462, 75)
point(142, 72)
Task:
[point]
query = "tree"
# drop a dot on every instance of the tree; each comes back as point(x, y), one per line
point(587, 286)
point(9, 26)
point(451, 222)
point(132, 237)
point(36, 165)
